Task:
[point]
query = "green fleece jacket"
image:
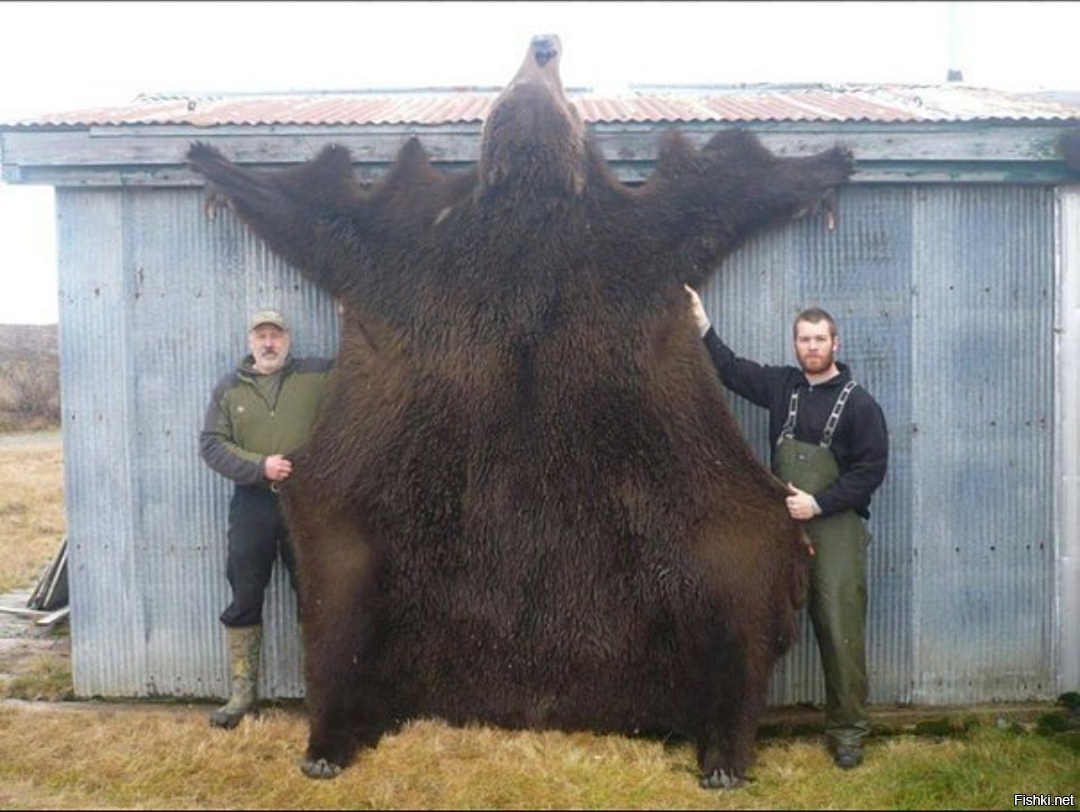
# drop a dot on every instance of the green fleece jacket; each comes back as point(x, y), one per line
point(253, 416)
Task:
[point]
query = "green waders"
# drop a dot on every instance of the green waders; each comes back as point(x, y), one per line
point(245, 645)
point(838, 584)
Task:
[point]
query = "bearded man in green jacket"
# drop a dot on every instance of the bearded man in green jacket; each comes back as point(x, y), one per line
point(259, 413)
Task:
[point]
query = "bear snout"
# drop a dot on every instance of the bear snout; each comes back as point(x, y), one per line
point(545, 47)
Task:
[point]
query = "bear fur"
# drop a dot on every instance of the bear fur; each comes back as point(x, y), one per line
point(525, 501)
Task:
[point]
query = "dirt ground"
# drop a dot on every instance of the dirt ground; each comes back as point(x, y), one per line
point(23, 641)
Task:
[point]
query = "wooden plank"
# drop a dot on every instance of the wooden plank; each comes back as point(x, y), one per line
point(53, 617)
point(51, 590)
point(870, 172)
point(149, 147)
point(30, 613)
point(149, 157)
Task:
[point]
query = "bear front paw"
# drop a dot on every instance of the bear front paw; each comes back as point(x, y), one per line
point(320, 768)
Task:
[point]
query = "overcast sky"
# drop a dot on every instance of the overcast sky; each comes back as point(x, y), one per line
point(62, 56)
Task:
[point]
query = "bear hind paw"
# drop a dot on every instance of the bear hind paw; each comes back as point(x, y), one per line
point(721, 779)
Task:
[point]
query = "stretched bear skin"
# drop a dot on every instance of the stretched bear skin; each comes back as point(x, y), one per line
point(525, 501)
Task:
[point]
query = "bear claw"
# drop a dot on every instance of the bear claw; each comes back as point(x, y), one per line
point(320, 768)
point(720, 779)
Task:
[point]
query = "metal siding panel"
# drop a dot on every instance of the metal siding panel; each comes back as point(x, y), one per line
point(983, 444)
point(175, 562)
point(1067, 608)
point(234, 273)
point(174, 308)
point(944, 299)
point(106, 624)
point(860, 273)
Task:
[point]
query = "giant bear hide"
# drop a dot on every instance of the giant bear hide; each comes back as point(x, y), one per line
point(525, 501)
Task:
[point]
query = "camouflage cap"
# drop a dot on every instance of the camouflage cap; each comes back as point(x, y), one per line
point(274, 317)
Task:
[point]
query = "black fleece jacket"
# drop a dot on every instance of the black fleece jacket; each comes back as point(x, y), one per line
point(860, 442)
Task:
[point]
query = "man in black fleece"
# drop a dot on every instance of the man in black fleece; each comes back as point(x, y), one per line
point(830, 444)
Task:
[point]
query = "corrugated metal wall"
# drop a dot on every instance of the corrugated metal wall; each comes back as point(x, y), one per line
point(154, 303)
point(944, 297)
point(983, 444)
point(945, 301)
point(1067, 391)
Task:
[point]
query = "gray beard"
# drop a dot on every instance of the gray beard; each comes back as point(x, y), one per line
point(266, 366)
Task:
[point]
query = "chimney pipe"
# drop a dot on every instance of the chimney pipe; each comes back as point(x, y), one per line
point(953, 46)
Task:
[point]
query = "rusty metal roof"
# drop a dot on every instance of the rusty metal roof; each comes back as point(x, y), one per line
point(743, 103)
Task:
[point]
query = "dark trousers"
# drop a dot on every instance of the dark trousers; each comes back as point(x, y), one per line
point(257, 535)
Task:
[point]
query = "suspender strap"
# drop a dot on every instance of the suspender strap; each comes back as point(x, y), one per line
point(837, 410)
point(788, 429)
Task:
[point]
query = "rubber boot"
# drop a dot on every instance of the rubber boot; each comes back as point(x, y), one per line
point(244, 647)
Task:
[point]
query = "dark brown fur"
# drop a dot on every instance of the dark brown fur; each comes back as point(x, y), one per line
point(525, 502)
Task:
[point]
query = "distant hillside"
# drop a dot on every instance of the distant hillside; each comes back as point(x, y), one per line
point(29, 377)
point(18, 340)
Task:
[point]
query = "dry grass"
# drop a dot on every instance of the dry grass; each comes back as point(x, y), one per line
point(31, 514)
point(111, 757)
point(161, 756)
point(39, 673)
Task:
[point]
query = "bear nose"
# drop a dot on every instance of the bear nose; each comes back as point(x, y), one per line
point(545, 47)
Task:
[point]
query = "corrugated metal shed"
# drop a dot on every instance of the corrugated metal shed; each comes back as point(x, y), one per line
point(952, 273)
